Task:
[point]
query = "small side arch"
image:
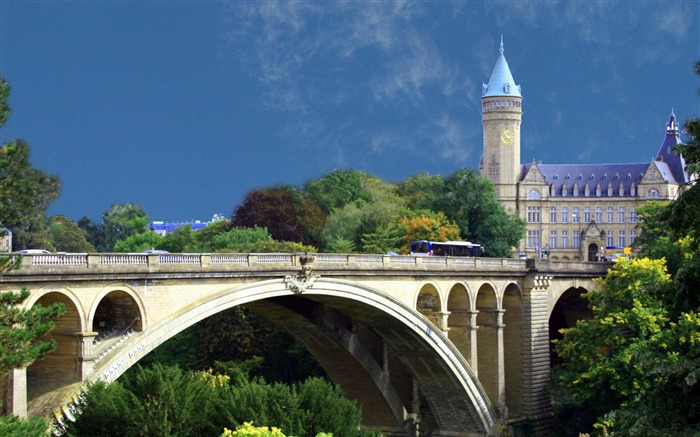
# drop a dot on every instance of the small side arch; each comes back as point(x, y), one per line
point(429, 302)
point(117, 307)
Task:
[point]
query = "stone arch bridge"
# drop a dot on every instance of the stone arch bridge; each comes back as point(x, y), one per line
point(452, 345)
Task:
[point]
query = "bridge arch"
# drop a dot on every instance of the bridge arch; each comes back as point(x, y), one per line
point(462, 320)
point(570, 307)
point(443, 380)
point(512, 305)
point(117, 307)
point(61, 366)
point(429, 302)
point(69, 295)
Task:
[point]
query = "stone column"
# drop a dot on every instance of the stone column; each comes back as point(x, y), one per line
point(87, 355)
point(17, 392)
point(501, 364)
point(492, 357)
point(444, 315)
point(473, 346)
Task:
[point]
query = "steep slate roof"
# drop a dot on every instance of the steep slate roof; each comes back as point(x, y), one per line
point(501, 83)
point(670, 166)
point(675, 163)
point(591, 174)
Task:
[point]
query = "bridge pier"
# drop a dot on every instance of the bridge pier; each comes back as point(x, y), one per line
point(536, 365)
point(16, 392)
point(492, 357)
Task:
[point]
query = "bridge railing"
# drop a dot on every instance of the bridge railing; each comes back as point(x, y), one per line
point(245, 260)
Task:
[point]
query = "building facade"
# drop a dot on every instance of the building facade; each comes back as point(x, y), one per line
point(573, 211)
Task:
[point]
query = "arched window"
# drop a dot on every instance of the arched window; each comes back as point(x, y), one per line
point(610, 189)
point(653, 194)
point(575, 190)
point(633, 190)
point(597, 190)
point(621, 190)
point(552, 190)
point(586, 190)
point(534, 194)
point(564, 191)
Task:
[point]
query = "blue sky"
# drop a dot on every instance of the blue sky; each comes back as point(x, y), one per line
point(185, 106)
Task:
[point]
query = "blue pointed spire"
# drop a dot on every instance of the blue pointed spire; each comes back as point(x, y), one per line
point(501, 82)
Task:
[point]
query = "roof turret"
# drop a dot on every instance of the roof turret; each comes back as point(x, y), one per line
point(501, 82)
point(676, 163)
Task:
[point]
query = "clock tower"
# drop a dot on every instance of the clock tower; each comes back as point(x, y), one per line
point(501, 114)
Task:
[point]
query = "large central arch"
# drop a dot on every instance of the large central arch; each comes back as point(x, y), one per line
point(382, 353)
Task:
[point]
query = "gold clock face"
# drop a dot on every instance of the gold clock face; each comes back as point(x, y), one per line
point(507, 137)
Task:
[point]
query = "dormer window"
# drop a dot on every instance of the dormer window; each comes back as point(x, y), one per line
point(552, 190)
point(534, 194)
point(506, 88)
point(564, 191)
point(597, 190)
point(586, 190)
point(575, 190)
point(592, 176)
point(610, 190)
point(580, 176)
point(622, 189)
point(605, 176)
point(633, 190)
point(568, 176)
point(629, 176)
point(617, 175)
point(556, 176)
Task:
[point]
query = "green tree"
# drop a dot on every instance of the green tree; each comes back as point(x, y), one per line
point(470, 201)
point(139, 242)
point(162, 401)
point(328, 411)
point(423, 191)
point(122, 221)
point(205, 237)
point(25, 194)
point(67, 236)
point(13, 426)
point(159, 401)
point(21, 329)
point(183, 239)
point(94, 233)
point(339, 188)
point(634, 365)
point(21, 195)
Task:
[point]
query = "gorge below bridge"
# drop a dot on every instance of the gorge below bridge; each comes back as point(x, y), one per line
point(456, 346)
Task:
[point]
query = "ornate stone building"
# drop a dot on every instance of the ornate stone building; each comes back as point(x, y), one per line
point(573, 211)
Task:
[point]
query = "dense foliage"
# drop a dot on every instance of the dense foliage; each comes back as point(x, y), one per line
point(24, 196)
point(634, 368)
point(163, 401)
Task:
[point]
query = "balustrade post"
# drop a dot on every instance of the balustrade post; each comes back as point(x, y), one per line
point(153, 259)
point(205, 260)
point(93, 260)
